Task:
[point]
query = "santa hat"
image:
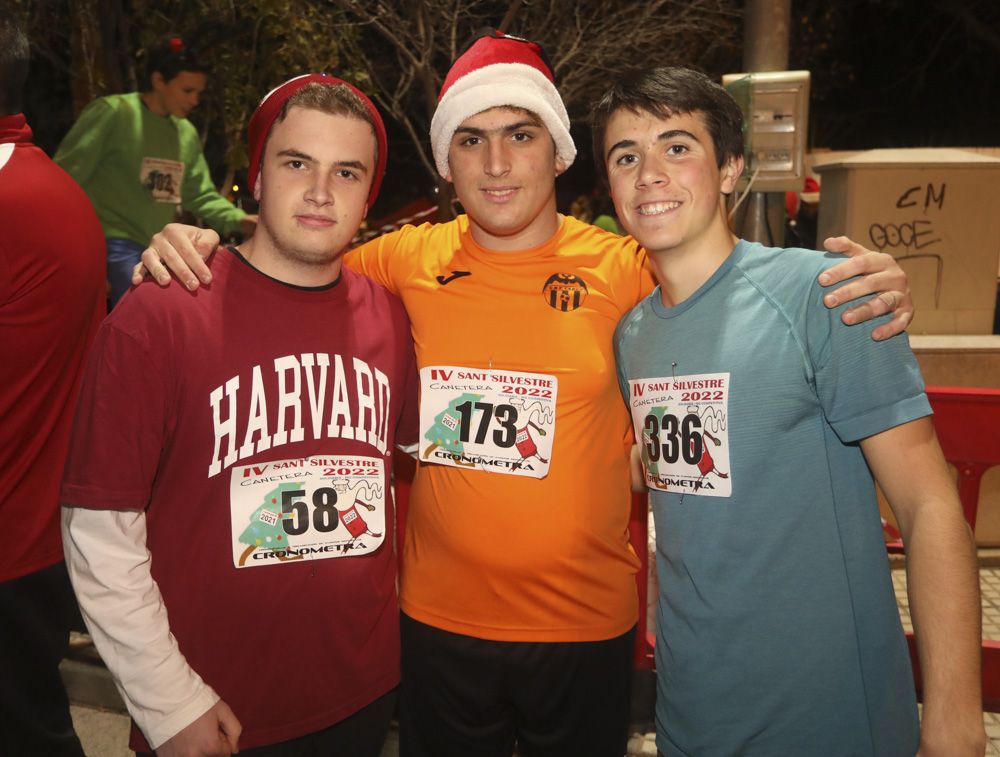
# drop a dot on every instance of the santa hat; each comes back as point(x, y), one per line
point(274, 101)
point(810, 190)
point(495, 71)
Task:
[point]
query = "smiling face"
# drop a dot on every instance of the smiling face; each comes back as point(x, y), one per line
point(666, 183)
point(177, 97)
point(503, 165)
point(313, 191)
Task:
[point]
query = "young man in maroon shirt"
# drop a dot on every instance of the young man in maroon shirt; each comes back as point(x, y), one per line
point(220, 445)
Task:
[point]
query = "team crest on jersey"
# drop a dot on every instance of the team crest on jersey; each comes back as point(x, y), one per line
point(564, 291)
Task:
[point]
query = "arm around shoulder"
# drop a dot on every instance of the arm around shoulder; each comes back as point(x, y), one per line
point(878, 273)
point(181, 251)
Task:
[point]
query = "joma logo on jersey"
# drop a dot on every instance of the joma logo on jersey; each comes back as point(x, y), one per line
point(564, 291)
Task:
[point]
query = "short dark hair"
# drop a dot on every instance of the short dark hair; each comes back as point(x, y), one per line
point(13, 66)
point(170, 56)
point(667, 91)
point(332, 99)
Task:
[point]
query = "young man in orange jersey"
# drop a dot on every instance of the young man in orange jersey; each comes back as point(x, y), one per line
point(518, 587)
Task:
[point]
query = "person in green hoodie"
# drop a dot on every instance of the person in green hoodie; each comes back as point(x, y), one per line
point(138, 157)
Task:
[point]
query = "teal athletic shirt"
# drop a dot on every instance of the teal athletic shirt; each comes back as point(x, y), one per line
point(137, 167)
point(777, 626)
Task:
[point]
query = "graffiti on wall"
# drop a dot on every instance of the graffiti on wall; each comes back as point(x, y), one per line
point(908, 239)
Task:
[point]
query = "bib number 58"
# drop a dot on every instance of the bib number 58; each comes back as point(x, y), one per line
point(295, 512)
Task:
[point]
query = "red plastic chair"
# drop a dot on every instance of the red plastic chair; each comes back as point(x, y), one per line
point(967, 421)
point(638, 532)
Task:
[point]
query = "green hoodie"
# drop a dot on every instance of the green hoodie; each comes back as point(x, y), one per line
point(137, 167)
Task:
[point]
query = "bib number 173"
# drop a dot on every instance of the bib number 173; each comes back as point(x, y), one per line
point(506, 418)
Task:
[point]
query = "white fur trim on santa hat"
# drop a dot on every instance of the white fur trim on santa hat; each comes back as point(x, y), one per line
point(501, 84)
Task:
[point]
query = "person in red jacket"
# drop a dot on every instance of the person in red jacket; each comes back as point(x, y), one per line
point(51, 302)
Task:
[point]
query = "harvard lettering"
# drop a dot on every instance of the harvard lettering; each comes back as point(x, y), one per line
point(368, 391)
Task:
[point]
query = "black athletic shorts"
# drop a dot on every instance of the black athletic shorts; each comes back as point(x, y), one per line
point(468, 697)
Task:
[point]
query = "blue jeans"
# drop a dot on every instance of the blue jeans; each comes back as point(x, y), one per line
point(123, 254)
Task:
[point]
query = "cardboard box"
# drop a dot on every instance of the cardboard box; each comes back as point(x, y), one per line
point(937, 211)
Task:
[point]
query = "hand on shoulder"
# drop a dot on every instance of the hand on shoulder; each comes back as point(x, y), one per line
point(179, 250)
point(881, 275)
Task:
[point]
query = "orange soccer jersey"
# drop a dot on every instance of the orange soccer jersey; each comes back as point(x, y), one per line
point(508, 557)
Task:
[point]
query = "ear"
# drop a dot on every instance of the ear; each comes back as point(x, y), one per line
point(365, 214)
point(256, 187)
point(560, 166)
point(731, 172)
point(156, 79)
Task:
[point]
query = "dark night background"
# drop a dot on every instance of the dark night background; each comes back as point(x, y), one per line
point(885, 73)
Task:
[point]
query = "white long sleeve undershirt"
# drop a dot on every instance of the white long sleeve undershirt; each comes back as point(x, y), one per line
point(109, 565)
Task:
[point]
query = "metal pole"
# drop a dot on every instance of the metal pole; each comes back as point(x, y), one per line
point(765, 35)
point(765, 48)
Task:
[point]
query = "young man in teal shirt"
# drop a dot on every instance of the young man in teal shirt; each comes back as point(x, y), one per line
point(138, 157)
point(758, 415)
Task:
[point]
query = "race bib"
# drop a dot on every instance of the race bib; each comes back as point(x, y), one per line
point(682, 427)
point(492, 420)
point(307, 508)
point(162, 179)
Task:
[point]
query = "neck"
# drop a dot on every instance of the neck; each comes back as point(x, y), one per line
point(287, 266)
point(537, 232)
point(682, 270)
point(152, 102)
